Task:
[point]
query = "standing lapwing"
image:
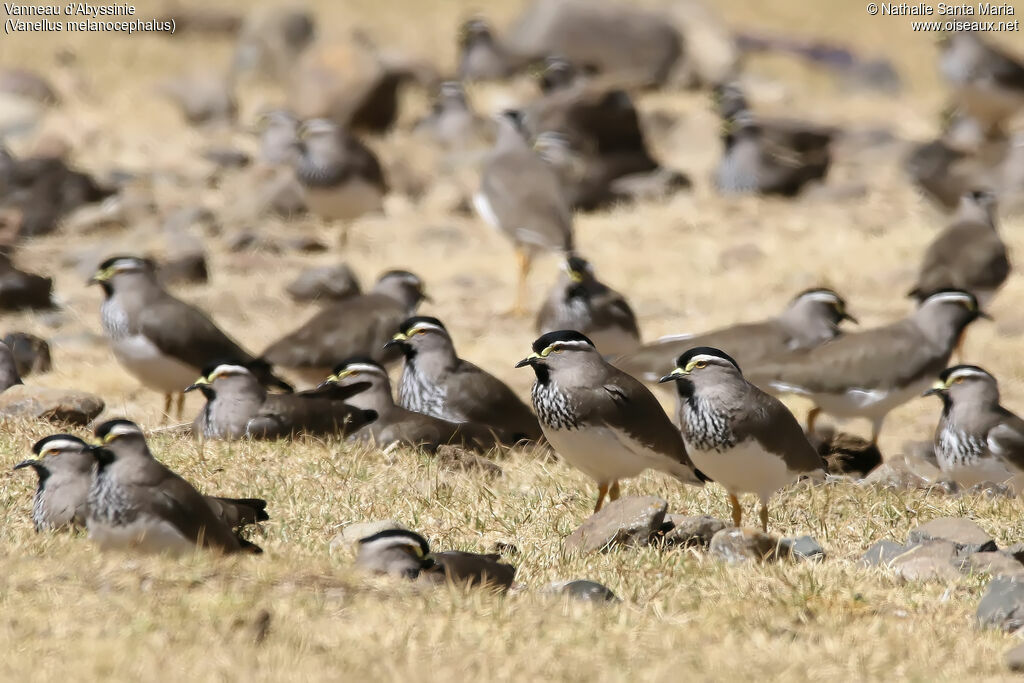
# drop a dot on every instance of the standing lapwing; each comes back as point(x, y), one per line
point(435, 381)
point(161, 340)
point(522, 196)
point(602, 421)
point(741, 437)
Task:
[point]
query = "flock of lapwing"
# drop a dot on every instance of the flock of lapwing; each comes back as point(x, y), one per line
point(578, 147)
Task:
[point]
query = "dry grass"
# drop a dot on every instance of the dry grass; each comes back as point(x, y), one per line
point(66, 610)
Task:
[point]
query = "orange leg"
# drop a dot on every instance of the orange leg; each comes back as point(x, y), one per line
point(812, 417)
point(613, 492)
point(737, 511)
point(602, 491)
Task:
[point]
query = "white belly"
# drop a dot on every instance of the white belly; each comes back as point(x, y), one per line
point(747, 468)
point(485, 211)
point(605, 455)
point(146, 534)
point(143, 359)
point(347, 202)
point(870, 403)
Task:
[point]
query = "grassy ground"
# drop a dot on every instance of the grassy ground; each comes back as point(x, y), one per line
point(688, 264)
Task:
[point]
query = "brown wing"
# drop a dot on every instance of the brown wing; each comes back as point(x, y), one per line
point(873, 359)
point(626, 406)
point(1006, 441)
point(284, 415)
point(965, 255)
point(481, 397)
point(747, 343)
point(528, 201)
point(774, 427)
point(238, 512)
point(478, 570)
point(162, 493)
point(357, 326)
point(187, 334)
point(610, 309)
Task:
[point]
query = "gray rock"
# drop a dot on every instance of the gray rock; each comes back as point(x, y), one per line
point(31, 353)
point(692, 531)
point(735, 545)
point(895, 475)
point(805, 548)
point(990, 489)
point(327, 283)
point(52, 405)
point(624, 522)
point(967, 536)
point(1002, 606)
point(996, 563)
point(928, 561)
point(587, 591)
point(351, 534)
point(1015, 658)
point(882, 553)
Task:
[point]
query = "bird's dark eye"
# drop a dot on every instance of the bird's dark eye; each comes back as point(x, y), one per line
point(419, 331)
point(958, 380)
point(700, 364)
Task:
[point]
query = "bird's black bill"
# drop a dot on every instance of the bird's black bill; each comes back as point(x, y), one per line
point(668, 378)
point(847, 316)
point(191, 387)
point(394, 344)
point(524, 362)
point(984, 316)
point(26, 463)
point(932, 392)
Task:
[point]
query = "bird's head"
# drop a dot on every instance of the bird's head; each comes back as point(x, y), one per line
point(822, 301)
point(561, 350)
point(359, 369)
point(221, 377)
point(421, 334)
point(702, 365)
point(965, 383)
point(395, 551)
point(126, 271)
point(404, 287)
point(52, 448)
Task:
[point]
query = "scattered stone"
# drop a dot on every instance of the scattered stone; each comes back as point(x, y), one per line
point(327, 283)
point(624, 522)
point(690, 532)
point(1015, 658)
point(805, 548)
point(31, 353)
point(882, 553)
point(458, 459)
point(894, 475)
point(53, 405)
point(927, 561)
point(582, 589)
point(967, 536)
point(189, 268)
point(996, 563)
point(351, 534)
point(990, 489)
point(1002, 606)
point(735, 545)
